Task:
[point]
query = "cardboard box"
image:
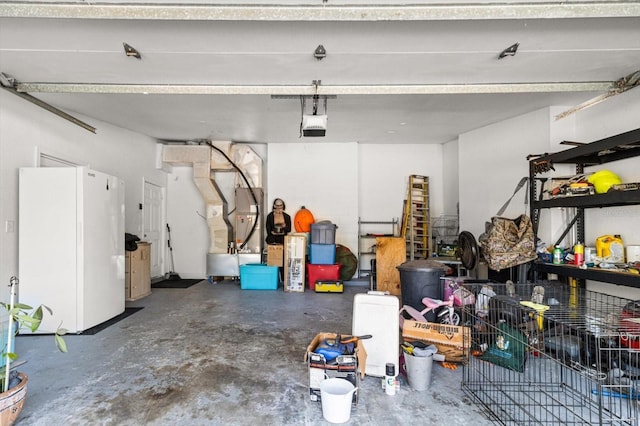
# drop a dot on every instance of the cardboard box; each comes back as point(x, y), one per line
point(344, 366)
point(295, 250)
point(275, 255)
point(452, 341)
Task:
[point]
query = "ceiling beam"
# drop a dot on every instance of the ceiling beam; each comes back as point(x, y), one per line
point(425, 89)
point(324, 12)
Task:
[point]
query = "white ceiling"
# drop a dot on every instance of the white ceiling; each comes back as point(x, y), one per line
point(400, 74)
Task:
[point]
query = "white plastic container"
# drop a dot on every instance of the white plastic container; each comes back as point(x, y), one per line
point(376, 313)
point(633, 254)
point(336, 395)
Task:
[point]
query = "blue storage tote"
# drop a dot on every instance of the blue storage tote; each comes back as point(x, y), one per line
point(257, 276)
point(323, 233)
point(322, 254)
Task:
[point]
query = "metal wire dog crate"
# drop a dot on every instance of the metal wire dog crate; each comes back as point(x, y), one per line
point(572, 359)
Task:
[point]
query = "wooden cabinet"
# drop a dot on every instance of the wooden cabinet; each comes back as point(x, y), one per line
point(137, 276)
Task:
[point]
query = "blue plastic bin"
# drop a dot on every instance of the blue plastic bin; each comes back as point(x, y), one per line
point(257, 276)
point(322, 254)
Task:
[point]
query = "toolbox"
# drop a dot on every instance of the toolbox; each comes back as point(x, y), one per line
point(329, 286)
point(347, 366)
point(376, 313)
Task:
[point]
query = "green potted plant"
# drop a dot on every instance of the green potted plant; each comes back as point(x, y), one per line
point(13, 384)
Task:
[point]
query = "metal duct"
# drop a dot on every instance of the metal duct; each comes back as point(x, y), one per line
point(220, 231)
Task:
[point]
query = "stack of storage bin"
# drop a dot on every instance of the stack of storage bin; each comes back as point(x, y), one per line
point(322, 254)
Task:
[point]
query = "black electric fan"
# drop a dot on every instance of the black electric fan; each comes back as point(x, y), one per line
point(468, 250)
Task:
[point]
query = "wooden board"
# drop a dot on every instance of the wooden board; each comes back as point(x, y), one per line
point(390, 252)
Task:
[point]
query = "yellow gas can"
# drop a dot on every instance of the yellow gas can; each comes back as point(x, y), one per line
point(610, 248)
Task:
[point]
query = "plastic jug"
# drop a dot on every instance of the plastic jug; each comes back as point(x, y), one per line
point(610, 248)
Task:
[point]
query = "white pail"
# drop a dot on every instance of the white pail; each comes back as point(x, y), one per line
point(419, 371)
point(336, 395)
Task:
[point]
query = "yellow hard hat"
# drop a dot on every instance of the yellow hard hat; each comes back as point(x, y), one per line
point(603, 180)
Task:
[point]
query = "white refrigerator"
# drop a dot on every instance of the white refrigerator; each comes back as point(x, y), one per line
point(71, 245)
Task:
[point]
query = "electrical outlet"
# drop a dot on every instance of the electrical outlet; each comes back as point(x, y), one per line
point(9, 227)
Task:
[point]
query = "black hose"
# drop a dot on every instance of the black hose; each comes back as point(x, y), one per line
point(253, 195)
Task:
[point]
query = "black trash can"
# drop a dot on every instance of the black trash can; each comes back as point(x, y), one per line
point(421, 278)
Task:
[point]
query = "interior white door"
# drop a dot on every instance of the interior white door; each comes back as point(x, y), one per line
point(152, 226)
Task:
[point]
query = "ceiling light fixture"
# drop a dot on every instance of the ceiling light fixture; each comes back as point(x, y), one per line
point(509, 51)
point(320, 53)
point(131, 51)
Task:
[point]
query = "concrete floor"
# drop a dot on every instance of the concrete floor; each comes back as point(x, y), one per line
point(213, 354)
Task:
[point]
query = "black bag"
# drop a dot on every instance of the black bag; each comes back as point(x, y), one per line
point(348, 262)
point(130, 242)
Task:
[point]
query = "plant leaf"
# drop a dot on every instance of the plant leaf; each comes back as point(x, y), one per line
point(28, 321)
point(22, 306)
point(60, 343)
point(37, 314)
point(47, 308)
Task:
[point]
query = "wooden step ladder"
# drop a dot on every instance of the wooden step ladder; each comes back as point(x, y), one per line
point(416, 227)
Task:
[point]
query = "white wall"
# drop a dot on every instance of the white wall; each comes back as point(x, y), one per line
point(186, 217)
point(492, 161)
point(384, 177)
point(344, 182)
point(450, 179)
point(26, 129)
point(321, 177)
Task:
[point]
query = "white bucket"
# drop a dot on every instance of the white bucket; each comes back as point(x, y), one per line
point(419, 371)
point(336, 395)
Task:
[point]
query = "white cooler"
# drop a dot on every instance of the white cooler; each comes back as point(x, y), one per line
point(376, 313)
